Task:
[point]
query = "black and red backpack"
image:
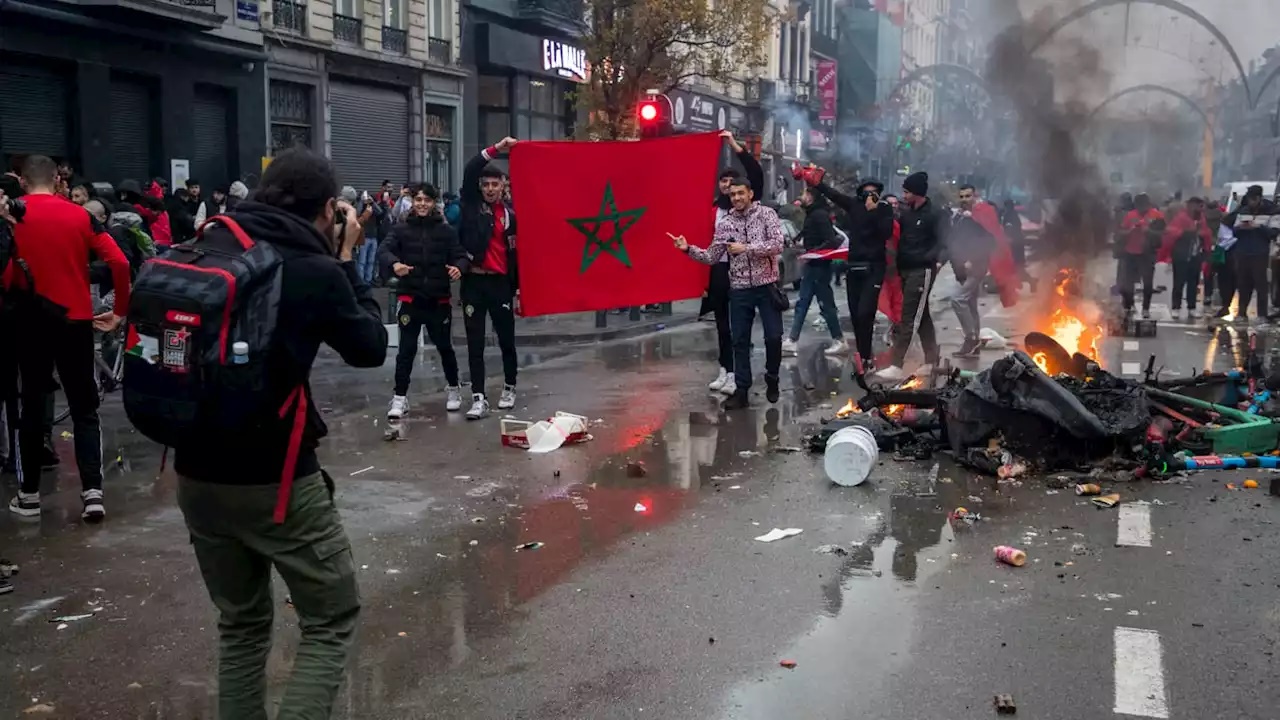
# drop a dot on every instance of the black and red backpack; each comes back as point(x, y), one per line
point(205, 315)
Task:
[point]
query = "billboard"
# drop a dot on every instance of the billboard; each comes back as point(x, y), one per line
point(827, 89)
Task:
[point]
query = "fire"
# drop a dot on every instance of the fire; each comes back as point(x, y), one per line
point(909, 384)
point(849, 409)
point(1067, 328)
point(1042, 361)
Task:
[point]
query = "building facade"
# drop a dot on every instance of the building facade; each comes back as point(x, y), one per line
point(123, 89)
point(869, 95)
point(526, 59)
point(922, 47)
point(375, 84)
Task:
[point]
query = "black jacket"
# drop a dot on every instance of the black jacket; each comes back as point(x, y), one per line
point(322, 302)
point(1256, 241)
point(475, 219)
point(818, 233)
point(869, 231)
point(427, 244)
point(924, 232)
point(967, 241)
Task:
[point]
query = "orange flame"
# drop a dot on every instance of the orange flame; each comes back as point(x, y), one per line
point(1065, 327)
point(1042, 361)
point(849, 409)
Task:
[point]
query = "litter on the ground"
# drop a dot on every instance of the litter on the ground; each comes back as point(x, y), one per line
point(71, 618)
point(778, 534)
point(748, 453)
point(831, 550)
point(788, 664)
point(1005, 705)
point(640, 507)
point(1107, 501)
point(1010, 555)
point(529, 546)
point(547, 435)
point(362, 470)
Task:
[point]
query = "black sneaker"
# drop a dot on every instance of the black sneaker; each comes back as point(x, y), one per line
point(969, 348)
point(6, 587)
point(94, 509)
point(737, 401)
point(771, 388)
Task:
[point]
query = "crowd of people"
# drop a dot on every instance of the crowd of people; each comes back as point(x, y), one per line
point(1230, 247)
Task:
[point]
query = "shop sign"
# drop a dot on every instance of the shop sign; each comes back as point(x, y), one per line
point(247, 10)
point(564, 60)
point(827, 89)
point(695, 113)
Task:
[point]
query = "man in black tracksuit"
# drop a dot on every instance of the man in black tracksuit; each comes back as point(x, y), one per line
point(920, 249)
point(869, 225)
point(487, 229)
point(1252, 249)
point(424, 256)
point(718, 285)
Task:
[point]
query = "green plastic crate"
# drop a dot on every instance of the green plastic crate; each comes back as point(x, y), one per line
point(1246, 434)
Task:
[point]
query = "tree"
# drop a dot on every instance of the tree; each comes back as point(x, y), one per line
point(637, 45)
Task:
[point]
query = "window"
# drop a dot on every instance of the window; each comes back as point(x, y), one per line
point(494, 91)
point(542, 97)
point(347, 7)
point(494, 125)
point(290, 107)
point(438, 23)
point(395, 16)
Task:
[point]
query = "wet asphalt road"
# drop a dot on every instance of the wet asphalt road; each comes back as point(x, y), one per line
point(674, 611)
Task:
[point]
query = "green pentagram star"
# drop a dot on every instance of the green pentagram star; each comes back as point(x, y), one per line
point(590, 228)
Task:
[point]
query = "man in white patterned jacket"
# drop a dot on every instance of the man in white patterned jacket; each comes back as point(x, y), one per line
point(752, 236)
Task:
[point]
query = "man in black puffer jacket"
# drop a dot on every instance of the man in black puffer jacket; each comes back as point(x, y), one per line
point(424, 255)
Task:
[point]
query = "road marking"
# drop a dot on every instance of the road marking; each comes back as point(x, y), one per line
point(1130, 368)
point(1140, 688)
point(1130, 345)
point(1134, 525)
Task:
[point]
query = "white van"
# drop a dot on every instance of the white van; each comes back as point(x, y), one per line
point(1233, 192)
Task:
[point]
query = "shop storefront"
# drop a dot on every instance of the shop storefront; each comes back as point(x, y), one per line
point(524, 84)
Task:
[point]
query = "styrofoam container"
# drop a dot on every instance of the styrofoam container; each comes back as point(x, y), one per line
point(851, 454)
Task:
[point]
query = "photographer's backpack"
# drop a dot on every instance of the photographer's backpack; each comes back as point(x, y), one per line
point(205, 314)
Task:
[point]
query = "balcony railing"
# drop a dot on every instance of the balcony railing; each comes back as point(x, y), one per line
point(440, 51)
point(290, 16)
point(348, 29)
point(395, 40)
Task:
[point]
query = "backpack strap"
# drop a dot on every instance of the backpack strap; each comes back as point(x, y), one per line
point(238, 232)
point(298, 400)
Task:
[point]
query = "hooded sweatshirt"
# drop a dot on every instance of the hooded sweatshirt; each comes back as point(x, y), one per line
point(868, 230)
point(322, 301)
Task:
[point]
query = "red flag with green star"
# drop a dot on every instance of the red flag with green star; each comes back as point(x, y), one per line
point(596, 221)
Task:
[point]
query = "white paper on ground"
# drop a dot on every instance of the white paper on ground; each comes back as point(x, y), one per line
point(777, 534)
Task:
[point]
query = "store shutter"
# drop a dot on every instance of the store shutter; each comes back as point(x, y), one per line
point(131, 136)
point(368, 135)
point(211, 160)
point(33, 112)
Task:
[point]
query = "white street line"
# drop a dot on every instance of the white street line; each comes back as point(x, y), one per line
point(1130, 345)
point(1130, 368)
point(1140, 688)
point(1134, 525)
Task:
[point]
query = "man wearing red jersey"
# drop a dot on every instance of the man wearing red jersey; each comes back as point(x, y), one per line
point(53, 314)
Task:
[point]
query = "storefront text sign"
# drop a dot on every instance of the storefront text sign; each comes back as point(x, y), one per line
point(564, 60)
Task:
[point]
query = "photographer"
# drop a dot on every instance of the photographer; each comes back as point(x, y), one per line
point(869, 224)
point(54, 309)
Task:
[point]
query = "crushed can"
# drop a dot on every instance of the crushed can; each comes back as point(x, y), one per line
point(1088, 489)
point(964, 515)
point(1010, 555)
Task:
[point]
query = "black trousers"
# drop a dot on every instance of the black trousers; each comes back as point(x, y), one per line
point(862, 289)
point(1134, 268)
point(1251, 275)
point(1186, 282)
point(1226, 279)
point(718, 300)
point(492, 296)
point(65, 346)
point(437, 317)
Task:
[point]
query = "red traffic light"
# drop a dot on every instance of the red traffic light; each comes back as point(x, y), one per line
point(648, 111)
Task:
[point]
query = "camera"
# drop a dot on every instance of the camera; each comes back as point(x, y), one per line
point(17, 209)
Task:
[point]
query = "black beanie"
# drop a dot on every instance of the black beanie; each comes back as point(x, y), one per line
point(917, 183)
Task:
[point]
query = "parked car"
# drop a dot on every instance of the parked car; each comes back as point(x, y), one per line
point(789, 263)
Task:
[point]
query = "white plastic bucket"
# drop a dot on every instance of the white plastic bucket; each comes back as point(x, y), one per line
point(851, 453)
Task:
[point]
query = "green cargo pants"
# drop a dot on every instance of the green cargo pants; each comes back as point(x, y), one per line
point(237, 544)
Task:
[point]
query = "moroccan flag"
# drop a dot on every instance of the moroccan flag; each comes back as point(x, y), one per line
point(596, 220)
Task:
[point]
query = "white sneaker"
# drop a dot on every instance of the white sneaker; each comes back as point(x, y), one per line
point(1175, 314)
point(507, 400)
point(479, 407)
point(890, 373)
point(1193, 315)
point(94, 510)
point(719, 381)
point(399, 406)
point(25, 504)
point(453, 398)
point(730, 385)
point(790, 348)
point(837, 347)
